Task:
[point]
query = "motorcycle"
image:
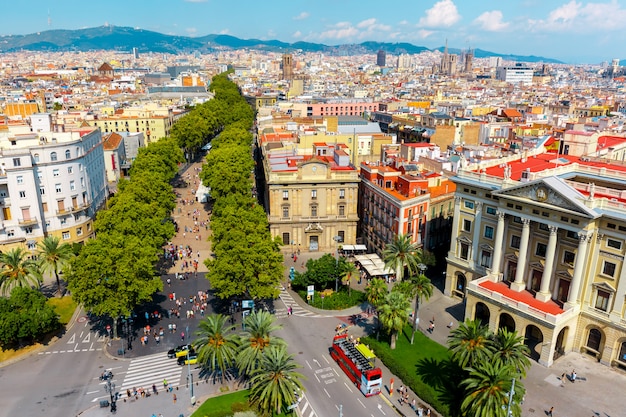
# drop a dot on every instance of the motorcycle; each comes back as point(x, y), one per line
point(106, 375)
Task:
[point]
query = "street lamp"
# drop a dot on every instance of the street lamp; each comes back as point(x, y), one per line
point(337, 239)
point(190, 379)
point(416, 320)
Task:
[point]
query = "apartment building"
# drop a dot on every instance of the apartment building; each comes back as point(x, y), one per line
point(538, 246)
point(51, 183)
point(311, 200)
point(396, 197)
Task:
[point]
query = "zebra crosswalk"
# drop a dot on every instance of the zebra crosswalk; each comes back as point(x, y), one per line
point(296, 309)
point(152, 369)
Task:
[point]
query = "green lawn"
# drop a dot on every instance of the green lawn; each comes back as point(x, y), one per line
point(64, 307)
point(226, 405)
point(403, 361)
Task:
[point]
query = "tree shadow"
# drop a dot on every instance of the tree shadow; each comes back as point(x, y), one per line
point(445, 376)
point(457, 311)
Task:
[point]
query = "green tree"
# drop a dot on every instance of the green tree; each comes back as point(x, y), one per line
point(255, 340)
point(113, 275)
point(422, 289)
point(323, 272)
point(401, 253)
point(53, 255)
point(275, 382)
point(376, 291)
point(487, 391)
point(509, 349)
point(349, 273)
point(25, 316)
point(18, 270)
point(470, 343)
point(217, 345)
point(394, 314)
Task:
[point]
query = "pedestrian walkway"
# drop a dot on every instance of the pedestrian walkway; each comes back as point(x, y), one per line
point(296, 309)
point(305, 409)
point(153, 369)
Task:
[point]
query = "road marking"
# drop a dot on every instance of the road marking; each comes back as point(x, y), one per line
point(348, 386)
point(92, 392)
point(328, 375)
point(337, 373)
point(72, 339)
point(319, 371)
point(308, 364)
point(329, 381)
point(317, 362)
point(76, 347)
point(87, 339)
point(359, 400)
point(318, 380)
point(380, 408)
point(324, 357)
point(326, 392)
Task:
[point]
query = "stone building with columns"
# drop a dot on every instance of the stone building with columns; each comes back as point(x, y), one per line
point(538, 246)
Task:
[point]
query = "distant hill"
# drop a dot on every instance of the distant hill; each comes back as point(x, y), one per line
point(126, 38)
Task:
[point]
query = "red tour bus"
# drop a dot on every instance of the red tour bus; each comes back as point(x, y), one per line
point(357, 363)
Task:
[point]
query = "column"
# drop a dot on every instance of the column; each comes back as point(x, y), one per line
point(519, 283)
point(497, 246)
point(455, 227)
point(544, 290)
point(476, 235)
point(581, 262)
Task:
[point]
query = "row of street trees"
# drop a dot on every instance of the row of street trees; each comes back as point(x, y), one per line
point(116, 271)
point(247, 261)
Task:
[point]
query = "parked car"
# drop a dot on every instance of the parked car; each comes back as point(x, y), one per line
point(179, 351)
point(192, 359)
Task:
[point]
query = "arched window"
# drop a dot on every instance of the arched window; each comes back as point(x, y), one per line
point(594, 339)
point(53, 156)
point(36, 157)
point(68, 154)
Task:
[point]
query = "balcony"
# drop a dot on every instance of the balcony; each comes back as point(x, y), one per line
point(72, 209)
point(27, 222)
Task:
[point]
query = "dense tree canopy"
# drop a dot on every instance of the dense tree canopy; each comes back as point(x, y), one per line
point(25, 316)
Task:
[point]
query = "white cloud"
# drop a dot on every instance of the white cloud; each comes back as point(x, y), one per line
point(423, 33)
point(301, 16)
point(297, 34)
point(365, 29)
point(224, 32)
point(443, 13)
point(491, 21)
point(191, 31)
point(580, 17)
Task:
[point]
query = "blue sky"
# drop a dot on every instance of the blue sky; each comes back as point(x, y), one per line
point(569, 30)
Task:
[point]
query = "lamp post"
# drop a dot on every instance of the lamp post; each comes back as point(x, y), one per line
point(337, 239)
point(416, 320)
point(190, 379)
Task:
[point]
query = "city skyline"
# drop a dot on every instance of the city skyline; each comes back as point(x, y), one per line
point(570, 31)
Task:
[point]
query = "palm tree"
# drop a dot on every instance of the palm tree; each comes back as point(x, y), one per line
point(349, 271)
point(216, 344)
point(422, 289)
point(509, 349)
point(18, 270)
point(487, 391)
point(470, 343)
point(53, 256)
point(401, 253)
point(275, 383)
point(376, 291)
point(256, 339)
point(394, 314)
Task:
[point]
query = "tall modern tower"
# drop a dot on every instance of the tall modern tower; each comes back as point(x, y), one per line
point(287, 67)
point(381, 58)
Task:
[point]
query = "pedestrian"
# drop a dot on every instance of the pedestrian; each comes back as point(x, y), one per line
point(164, 383)
point(550, 411)
point(413, 404)
point(182, 336)
point(574, 376)
point(174, 398)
